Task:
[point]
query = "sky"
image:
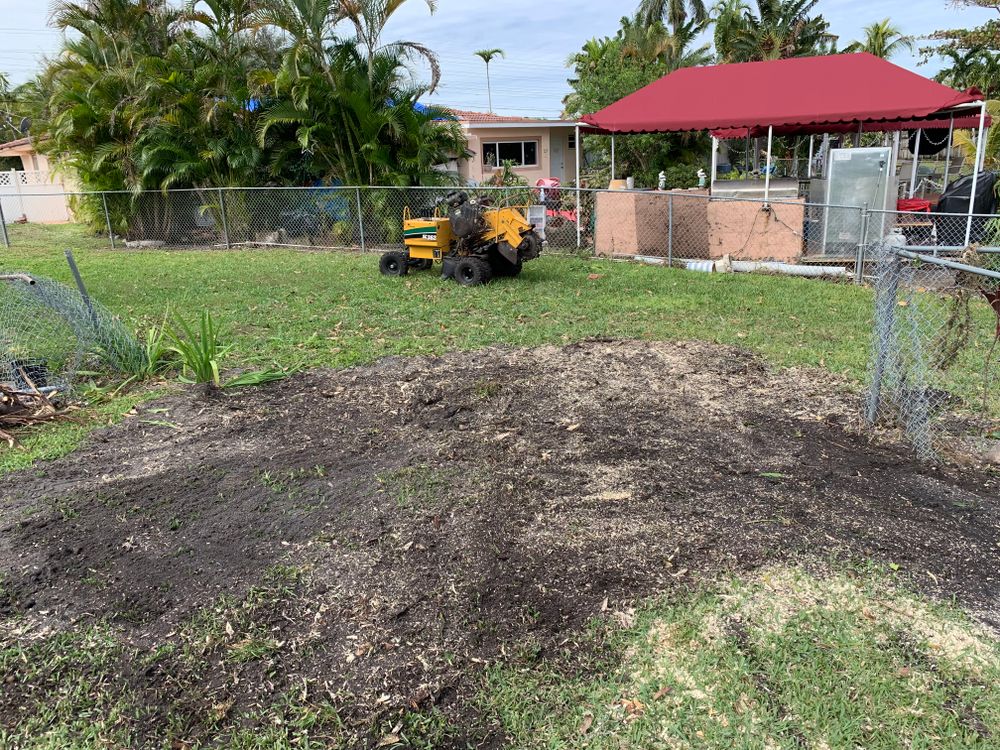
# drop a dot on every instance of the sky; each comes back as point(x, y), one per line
point(536, 36)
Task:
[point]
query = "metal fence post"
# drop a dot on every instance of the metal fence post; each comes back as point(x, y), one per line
point(859, 259)
point(107, 218)
point(886, 291)
point(225, 222)
point(670, 229)
point(81, 287)
point(3, 227)
point(361, 218)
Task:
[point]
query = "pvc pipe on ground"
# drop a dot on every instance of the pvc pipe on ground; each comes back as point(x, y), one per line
point(750, 266)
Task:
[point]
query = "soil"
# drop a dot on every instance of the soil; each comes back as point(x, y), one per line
point(444, 512)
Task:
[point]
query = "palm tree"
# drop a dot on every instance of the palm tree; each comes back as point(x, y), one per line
point(966, 139)
point(145, 95)
point(345, 103)
point(673, 11)
point(590, 55)
point(370, 18)
point(882, 39)
point(973, 67)
point(655, 44)
point(779, 29)
point(487, 55)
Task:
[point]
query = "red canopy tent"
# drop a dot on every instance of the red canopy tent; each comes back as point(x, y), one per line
point(802, 95)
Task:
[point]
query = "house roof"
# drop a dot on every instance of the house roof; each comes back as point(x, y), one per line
point(487, 119)
point(801, 94)
point(12, 146)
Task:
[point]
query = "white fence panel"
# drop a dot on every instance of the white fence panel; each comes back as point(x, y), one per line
point(28, 196)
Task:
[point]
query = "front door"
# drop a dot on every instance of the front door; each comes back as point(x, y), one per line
point(557, 155)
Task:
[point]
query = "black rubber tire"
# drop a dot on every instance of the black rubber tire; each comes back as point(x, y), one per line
point(392, 264)
point(503, 267)
point(472, 271)
point(423, 264)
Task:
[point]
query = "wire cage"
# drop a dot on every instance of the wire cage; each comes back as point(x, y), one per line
point(50, 332)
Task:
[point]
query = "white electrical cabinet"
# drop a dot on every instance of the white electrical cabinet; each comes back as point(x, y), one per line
point(855, 177)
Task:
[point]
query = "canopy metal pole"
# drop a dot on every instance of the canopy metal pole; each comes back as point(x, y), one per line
point(916, 158)
point(577, 150)
point(947, 154)
point(809, 166)
point(767, 165)
point(715, 164)
point(975, 171)
point(612, 156)
point(893, 192)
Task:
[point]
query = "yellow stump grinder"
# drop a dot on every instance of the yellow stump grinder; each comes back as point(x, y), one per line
point(473, 241)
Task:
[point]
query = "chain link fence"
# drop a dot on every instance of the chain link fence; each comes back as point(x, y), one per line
point(50, 332)
point(934, 324)
point(933, 365)
point(670, 226)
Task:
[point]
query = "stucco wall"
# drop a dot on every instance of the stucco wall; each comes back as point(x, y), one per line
point(474, 170)
point(745, 231)
point(637, 223)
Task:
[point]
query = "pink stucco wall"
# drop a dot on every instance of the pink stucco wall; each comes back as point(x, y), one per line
point(474, 170)
point(637, 223)
point(746, 232)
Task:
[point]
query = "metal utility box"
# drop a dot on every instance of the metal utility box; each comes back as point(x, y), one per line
point(855, 177)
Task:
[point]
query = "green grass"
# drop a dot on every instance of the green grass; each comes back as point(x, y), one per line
point(84, 704)
point(784, 660)
point(292, 308)
point(416, 486)
point(333, 309)
point(49, 441)
point(87, 688)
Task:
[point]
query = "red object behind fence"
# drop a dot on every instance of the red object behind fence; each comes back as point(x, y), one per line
point(913, 204)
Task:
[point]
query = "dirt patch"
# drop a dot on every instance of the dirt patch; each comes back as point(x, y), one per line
point(439, 513)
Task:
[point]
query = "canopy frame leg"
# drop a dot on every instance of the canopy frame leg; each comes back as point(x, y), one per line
point(715, 164)
point(767, 166)
point(947, 154)
point(612, 156)
point(975, 171)
point(576, 154)
point(916, 159)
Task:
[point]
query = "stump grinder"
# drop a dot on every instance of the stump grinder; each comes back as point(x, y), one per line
point(473, 241)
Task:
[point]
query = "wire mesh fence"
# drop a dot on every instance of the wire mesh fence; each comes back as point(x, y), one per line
point(938, 233)
point(668, 226)
point(935, 334)
point(672, 225)
point(51, 332)
point(934, 326)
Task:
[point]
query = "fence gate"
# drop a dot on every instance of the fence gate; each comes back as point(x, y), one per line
point(935, 345)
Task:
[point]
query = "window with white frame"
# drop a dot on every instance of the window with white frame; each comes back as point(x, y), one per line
point(521, 153)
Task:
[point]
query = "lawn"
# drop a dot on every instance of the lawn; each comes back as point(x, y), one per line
point(334, 310)
point(614, 545)
point(782, 659)
point(328, 309)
